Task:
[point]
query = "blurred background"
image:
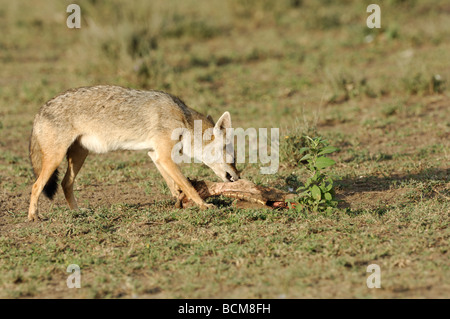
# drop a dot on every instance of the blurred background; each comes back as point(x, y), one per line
point(267, 61)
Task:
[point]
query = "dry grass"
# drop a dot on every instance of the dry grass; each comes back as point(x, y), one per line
point(379, 95)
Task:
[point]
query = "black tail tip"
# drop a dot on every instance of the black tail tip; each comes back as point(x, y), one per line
point(52, 185)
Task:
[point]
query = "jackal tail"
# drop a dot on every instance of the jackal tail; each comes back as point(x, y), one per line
point(36, 161)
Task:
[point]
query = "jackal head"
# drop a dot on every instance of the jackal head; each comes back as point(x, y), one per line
point(218, 149)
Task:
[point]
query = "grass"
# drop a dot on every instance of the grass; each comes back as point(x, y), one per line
point(127, 250)
point(379, 95)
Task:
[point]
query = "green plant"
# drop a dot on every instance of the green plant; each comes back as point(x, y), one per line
point(317, 193)
point(295, 139)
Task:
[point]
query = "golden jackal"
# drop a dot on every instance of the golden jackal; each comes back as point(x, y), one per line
point(105, 118)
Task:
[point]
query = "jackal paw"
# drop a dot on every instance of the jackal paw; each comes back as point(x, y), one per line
point(33, 218)
point(180, 199)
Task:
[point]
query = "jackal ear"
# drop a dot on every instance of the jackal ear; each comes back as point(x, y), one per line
point(224, 121)
point(209, 117)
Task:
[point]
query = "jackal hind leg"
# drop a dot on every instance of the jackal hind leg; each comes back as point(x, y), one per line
point(76, 156)
point(50, 162)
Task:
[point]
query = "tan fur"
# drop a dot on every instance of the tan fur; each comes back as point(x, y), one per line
point(105, 118)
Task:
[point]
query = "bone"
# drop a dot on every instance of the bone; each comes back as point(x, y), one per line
point(242, 190)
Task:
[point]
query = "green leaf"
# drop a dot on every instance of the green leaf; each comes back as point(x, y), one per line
point(303, 149)
point(328, 149)
point(324, 162)
point(316, 193)
point(328, 196)
point(308, 182)
point(329, 187)
point(307, 156)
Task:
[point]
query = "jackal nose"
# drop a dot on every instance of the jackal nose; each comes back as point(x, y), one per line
point(231, 178)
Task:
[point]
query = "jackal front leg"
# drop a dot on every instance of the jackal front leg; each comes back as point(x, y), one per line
point(175, 190)
point(175, 178)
